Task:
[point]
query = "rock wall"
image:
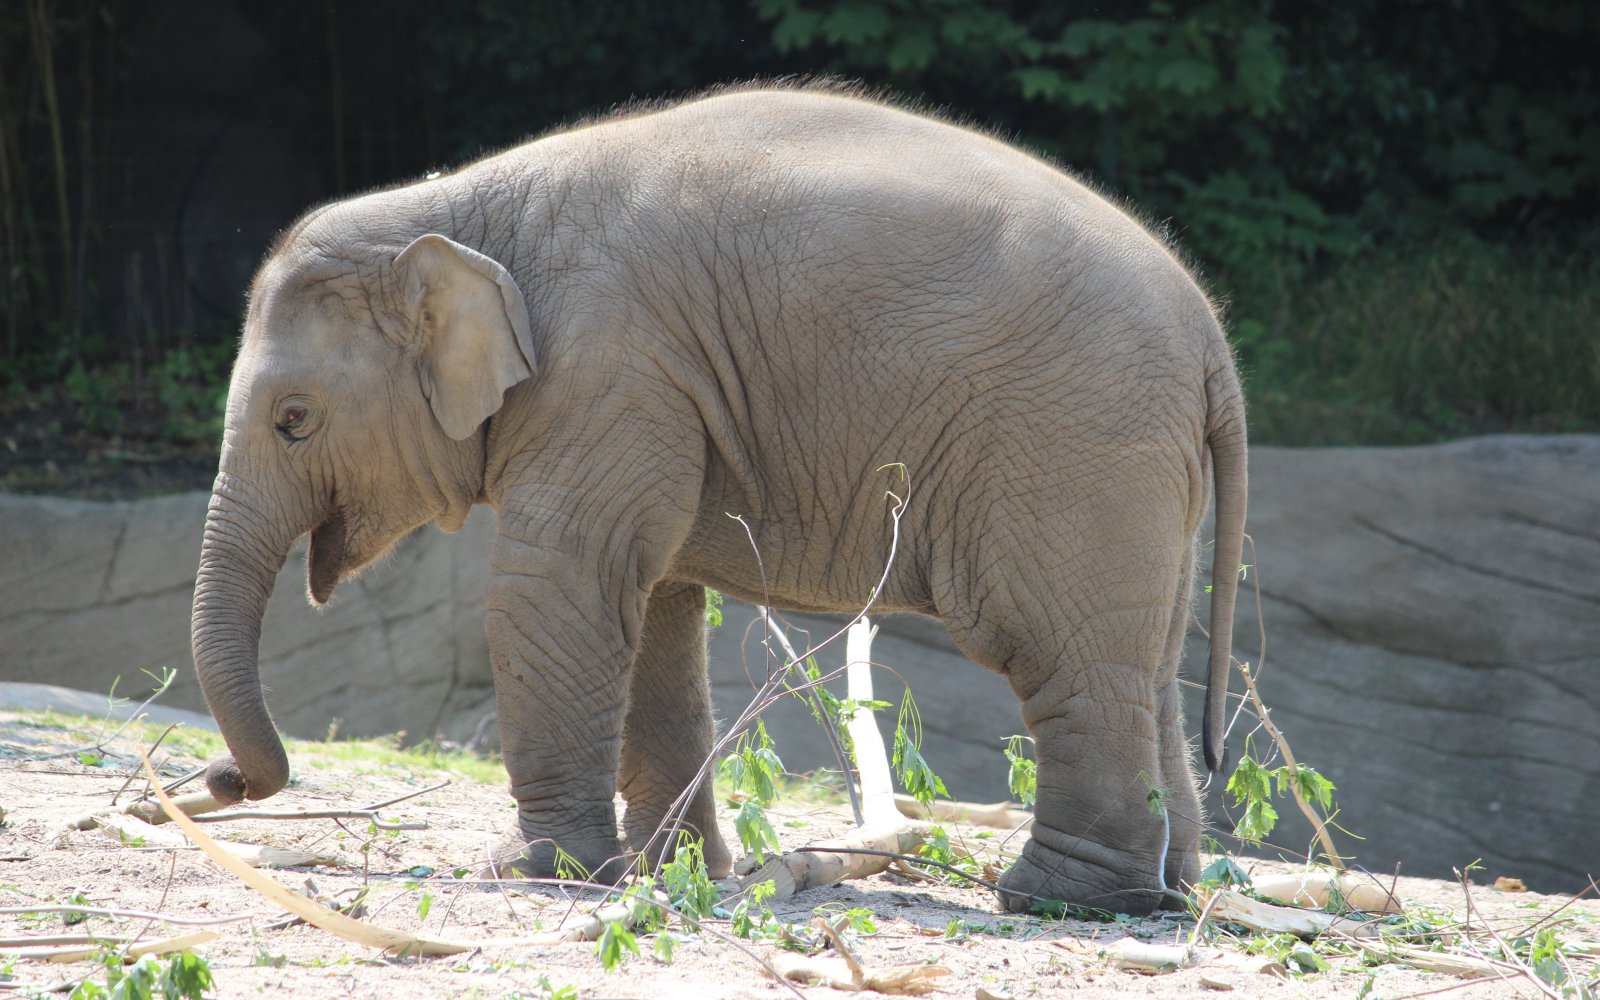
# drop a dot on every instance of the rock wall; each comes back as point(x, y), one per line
point(1433, 623)
point(91, 592)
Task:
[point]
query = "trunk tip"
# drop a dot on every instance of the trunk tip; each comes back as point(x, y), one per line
point(227, 784)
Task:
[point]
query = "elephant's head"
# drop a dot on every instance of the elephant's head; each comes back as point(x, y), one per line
point(356, 414)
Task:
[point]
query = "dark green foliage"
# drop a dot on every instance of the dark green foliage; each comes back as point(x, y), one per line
point(1394, 200)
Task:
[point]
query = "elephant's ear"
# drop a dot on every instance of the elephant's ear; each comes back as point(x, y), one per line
point(476, 340)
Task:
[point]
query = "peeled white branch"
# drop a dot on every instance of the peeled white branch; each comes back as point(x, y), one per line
point(1238, 908)
point(885, 829)
point(1315, 890)
point(998, 815)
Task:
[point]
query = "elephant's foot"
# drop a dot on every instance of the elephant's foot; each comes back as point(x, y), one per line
point(658, 848)
point(1183, 871)
point(1099, 883)
point(648, 832)
point(596, 857)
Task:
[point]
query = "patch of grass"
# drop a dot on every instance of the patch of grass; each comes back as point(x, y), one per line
point(1420, 343)
point(365, 756)
point(384, 753)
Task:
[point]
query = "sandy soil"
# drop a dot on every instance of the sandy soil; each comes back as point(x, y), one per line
point(988, 953)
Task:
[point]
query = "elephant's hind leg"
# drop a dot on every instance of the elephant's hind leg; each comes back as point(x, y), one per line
point(668, 732)
point(1080, 631)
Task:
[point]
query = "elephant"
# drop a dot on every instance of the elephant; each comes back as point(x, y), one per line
point(779, 303)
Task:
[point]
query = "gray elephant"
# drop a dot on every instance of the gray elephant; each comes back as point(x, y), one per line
point(750, 303)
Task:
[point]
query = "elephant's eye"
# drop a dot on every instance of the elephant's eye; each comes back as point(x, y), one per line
point(292, 421)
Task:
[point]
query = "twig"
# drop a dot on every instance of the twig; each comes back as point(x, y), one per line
point(829, 726)
point(49, 940)
point(100, 744)
point(1205, 915)
point(133, 772)
point(1511, 956)
point(1317, 823)
point(165, 946)
point(101, 911)
point(367, 814)
point(409, 795)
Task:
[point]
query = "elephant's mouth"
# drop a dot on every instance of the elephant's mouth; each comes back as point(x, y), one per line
point(327, 559)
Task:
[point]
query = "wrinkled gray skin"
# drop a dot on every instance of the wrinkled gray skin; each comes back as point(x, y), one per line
point(749, 304)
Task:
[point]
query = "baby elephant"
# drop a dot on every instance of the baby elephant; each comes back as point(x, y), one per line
point(750, 304)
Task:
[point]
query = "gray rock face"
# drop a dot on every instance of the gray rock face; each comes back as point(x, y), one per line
point(93, 591)
point(1432, 615)
point(1433, 645)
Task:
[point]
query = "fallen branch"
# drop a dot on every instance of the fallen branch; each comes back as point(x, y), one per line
point(1235, 907)
point(1315, 890)
point(56, 940)
point(836, 860)
point(1448, 962)
point(846, 972)
point(396, 942)
point(997, 815)
point(1148, 957)
point(166, 946)
point(629, 911)
point(131, 830)
point(150, 811)
point(392, 941)
point(835, 972)
point(100, 911)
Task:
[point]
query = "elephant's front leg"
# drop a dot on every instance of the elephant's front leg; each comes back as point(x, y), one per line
point(560, 651)
point(669, 731)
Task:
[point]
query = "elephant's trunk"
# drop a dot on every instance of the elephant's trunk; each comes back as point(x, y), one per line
point(244, 548)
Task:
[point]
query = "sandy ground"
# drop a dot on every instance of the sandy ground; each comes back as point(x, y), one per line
point(959, 927)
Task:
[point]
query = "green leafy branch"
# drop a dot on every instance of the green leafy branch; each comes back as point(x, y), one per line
point(1252, 786)
point(915, 775)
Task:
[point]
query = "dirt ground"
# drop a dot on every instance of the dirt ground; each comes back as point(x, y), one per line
point(959, 927)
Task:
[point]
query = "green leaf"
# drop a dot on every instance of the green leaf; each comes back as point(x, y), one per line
point(424, 905)
point(1223, 871)
point(186, 977)
point(614, 940)
point(687, 884)
point(912, 49)
point(855, 21)
point(1023, 779)
point(751, 917)
point(755, 830)
point(918, 779)
point(663, 946)
point(1256, 822)
point(1314, 786)
point(713, 608)
point(1039, 82)
point(1156, 800)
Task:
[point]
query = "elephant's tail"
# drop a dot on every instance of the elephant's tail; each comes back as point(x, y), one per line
point(1225, 437)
